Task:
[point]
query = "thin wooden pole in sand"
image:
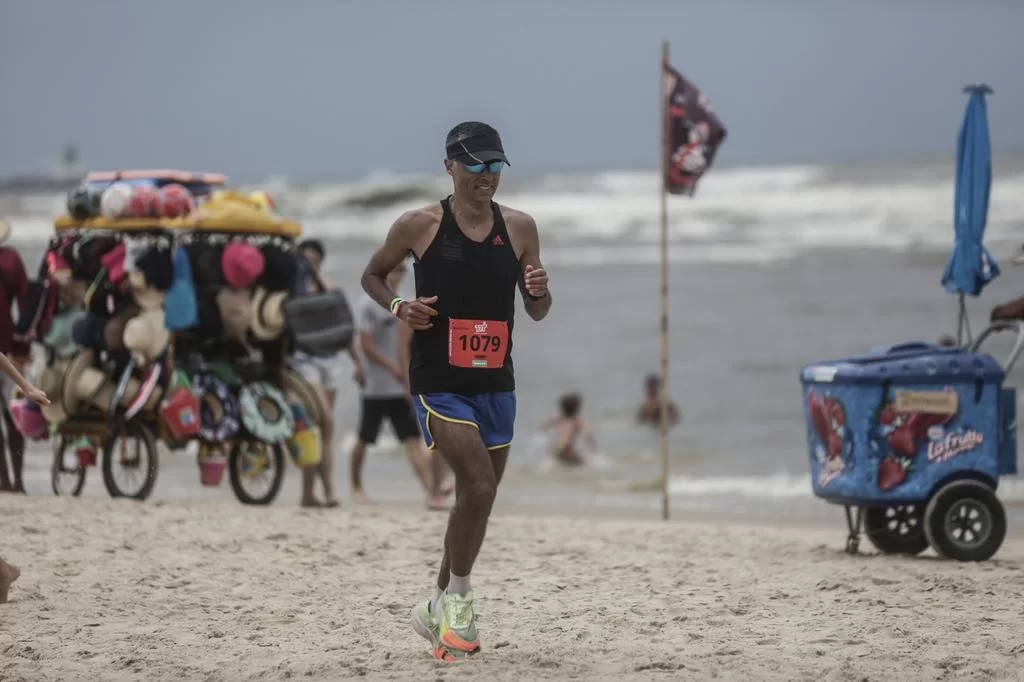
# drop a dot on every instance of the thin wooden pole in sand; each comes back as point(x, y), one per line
point(662, 105)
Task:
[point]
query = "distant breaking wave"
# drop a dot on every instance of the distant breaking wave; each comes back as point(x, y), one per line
point(761, 214)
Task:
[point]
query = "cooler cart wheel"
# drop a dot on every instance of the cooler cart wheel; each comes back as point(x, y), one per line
point(896, 530)
point(65, 478)
point(965, 521)
point(256, 466)
point(131, 450)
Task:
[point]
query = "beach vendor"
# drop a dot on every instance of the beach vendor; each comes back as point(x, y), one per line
point(13, 291)
point(1011, 310)
point(324, 375)
point(471, 255)
point(9, 572)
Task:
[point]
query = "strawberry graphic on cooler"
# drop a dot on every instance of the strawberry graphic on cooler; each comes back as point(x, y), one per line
point(829, 420)
point(903, 431)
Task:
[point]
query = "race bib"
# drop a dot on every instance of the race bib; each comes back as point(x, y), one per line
point(477, 344)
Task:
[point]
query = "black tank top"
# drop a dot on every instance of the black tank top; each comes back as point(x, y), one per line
point(472, 281)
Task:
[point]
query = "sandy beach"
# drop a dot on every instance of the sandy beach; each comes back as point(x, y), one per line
point(213, 591)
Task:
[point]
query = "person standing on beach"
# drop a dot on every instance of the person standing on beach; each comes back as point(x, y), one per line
point(471, 254)
point(323, 374)
point(9, 572)
point(384, 341)
point(13, 290)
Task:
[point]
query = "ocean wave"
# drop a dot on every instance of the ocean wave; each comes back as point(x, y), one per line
point(739, 215)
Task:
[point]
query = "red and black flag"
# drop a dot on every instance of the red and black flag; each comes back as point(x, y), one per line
point(694, 133)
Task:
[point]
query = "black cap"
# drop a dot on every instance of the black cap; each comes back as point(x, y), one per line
point(478, 149)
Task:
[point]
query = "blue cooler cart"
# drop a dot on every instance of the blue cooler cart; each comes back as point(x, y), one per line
point(914, 438)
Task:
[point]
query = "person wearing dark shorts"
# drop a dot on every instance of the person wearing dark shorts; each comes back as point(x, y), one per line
point(471, 255)
point(384, 340)
point(398, 411)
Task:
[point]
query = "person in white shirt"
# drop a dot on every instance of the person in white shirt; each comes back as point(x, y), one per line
point(384, 340)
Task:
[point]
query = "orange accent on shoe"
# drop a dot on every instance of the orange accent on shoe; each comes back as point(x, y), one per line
point(442, 654)
point(453, 641)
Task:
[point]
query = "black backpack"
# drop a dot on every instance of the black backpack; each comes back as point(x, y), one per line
point(40, 307)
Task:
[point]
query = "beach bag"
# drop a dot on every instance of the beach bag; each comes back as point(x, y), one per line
point(179, 409)
point(181, 309)
point(40, 307)
point(305, 446)
point(28, 417)
point(319, 323)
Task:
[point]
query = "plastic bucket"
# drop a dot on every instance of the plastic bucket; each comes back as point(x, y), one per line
point(211, 470)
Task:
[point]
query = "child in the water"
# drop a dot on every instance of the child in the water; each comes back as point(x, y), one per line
point(569, 428)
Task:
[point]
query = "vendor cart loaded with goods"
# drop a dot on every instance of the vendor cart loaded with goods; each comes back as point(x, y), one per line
point(168, 308)
point(913, 438)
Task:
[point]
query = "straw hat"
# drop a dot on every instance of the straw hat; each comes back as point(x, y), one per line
point(113, 330)
point(235, 307)
point(146, 296)
point(146, 335)
point(267, 314)
point(50, 381)
point(84, 384)
point(82, 381)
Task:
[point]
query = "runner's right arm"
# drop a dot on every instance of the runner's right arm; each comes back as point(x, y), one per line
point(399, 243)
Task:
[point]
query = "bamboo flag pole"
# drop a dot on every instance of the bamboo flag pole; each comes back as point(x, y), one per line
point(664, 280)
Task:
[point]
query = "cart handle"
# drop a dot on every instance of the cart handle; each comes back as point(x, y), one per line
point(1002, 326)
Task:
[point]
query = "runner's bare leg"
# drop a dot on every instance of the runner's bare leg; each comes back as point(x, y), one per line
point(498, 458)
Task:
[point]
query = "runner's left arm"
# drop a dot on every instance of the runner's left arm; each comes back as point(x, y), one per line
point(533, 285)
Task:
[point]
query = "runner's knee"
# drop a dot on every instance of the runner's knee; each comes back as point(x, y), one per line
point(479, 493)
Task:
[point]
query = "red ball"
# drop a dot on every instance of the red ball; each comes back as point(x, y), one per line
point(175, 201)
point(143, 202)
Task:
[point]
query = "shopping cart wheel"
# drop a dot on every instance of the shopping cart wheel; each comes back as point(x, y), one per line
point(67, 476)
point(256, 471)
point(896, 530)
point(130, 462)
point(965, 521)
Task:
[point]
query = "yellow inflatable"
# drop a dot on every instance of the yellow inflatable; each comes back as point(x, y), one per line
point(237, 213)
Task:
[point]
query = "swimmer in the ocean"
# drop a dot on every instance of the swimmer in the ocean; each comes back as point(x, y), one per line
point(650, 409)
point(569, 428)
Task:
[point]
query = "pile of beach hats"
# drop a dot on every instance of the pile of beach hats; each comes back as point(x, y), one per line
point(98, 304)
point(135, 272)
point(244, 268)
point(108, 330)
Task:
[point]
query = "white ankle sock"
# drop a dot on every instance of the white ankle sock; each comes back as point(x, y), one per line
point(458, 584)
point(436, 597)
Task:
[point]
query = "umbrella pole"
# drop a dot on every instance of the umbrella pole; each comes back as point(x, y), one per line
point(963, 323)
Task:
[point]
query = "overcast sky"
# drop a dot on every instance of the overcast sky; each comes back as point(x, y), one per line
point(343, 87)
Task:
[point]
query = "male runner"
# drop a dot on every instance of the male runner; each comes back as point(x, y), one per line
point(470, 255)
